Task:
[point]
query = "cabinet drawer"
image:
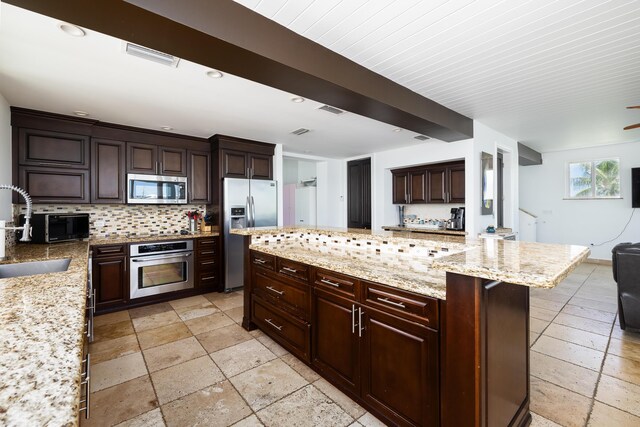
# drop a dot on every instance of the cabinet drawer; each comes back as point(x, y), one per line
point(291, 333)
point(207, 265)
point(209, 252)
point(295, 296)
point(418, 308)
point(338, 283)
point(263, 260)
point(110, 250)
point(206, 279)
point(209, 242)
point(293, 269)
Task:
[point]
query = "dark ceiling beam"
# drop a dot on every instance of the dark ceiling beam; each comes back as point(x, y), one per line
point(224, 35)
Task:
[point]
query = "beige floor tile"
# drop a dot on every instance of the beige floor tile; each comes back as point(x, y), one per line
point(558, 404)
point(619, 394)
point(217, 405)
point(208, 323)
point(543, 313)
point(199, 310)
point(589, 303)
point(300, 367)
point(251, 421)
point(117, 371)
point(173, 353)
point(600, 297)
point(567, 289)
point(564, 374)
point(154, 321)
point(112, 331)
point(102, 351)
point(368, 420)
point(605, 415)
point(537, 325)
point(540, 421)
point(553, 297)
point(148, 419)
point(585, 324)
point(110, 318)
point(183, 379)
point(577, 336)
point(163, 335)
point(627, 335)
point(355, 424)
point(275, 348)
point(242, 357)
point(188, 302)
point(217, 296)
point(349, 406)
point(121, 402)
point(621, 368)
point(625, 348)
point(236, 314)
point(533, 336)
point(589, 313)
point(229, 303)
point(305, 407)
point(227, 336)
point(150, 310)
point(549, 305)
point(569, 352)
point(263, 385)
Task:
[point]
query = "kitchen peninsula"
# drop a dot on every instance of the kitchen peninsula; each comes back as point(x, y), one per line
point(420, 331)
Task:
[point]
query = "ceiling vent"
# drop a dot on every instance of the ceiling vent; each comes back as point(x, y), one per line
point(421, 137)
point(151, 55)
point(331, 109)
point(300, 131)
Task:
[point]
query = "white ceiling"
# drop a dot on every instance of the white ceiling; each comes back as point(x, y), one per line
point(552, 74)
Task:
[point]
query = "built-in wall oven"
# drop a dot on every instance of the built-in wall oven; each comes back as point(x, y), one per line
point(160, 267)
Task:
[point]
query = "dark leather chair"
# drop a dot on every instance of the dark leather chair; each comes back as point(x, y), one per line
point(626, 272)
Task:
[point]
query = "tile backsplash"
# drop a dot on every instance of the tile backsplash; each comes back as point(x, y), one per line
point(124, 219)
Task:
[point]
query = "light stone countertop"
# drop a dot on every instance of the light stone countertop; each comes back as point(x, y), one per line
point(409, 228)
point(120, 239)
point(41, 338)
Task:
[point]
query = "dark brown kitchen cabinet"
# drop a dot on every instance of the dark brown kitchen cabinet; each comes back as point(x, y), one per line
point(49, 148)
point(108, 178)
point(207, 264)
point(156, 160)
point(173, 161)
point(359, 193)
point(109, 273)
point(434, 183)
point(260, 166)
point(400, 187)
point(239, 164)
point(418, 187)
point(437, 178)
point(54, 185)
point(199, 167)
point(456, 181)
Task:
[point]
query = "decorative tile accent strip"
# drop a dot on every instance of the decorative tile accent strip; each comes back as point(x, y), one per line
point(133, 220)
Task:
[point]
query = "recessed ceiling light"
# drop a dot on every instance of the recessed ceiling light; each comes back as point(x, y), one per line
point(214, 74)
point(81, 113)
point(72, 30)
point(397, 130)
point(166, 128)
point(297, 99)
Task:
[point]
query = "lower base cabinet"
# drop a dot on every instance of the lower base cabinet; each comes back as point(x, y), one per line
point(110, 281)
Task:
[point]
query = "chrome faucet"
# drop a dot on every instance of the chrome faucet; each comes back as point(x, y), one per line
point(26, 228)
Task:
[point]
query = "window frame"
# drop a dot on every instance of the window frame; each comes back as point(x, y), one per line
point(592, 196)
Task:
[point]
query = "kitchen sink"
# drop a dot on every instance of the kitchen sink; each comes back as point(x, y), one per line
point(33, 268)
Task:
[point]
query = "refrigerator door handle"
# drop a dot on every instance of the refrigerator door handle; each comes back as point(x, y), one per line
point(248, 212)
point(253, 212)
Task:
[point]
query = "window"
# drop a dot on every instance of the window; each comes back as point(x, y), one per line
point(598, 179)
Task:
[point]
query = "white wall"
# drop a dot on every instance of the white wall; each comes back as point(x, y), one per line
point(5, 158)
point(580, 222)
point(332, 193)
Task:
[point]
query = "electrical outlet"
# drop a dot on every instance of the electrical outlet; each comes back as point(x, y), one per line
point(99, 223)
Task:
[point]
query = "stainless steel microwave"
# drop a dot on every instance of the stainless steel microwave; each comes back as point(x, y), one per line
point(51, 228)
point(156, 189)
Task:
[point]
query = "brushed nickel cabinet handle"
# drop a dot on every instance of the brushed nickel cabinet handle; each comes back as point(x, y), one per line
point(275, 290)
point(259, 261)
point(273, 324)
point(207, 252)
point(207, 263)
point(388, 301)
point(290, 270)
point(208, 278)
point(360, 327)
point(353, 318)
point(329, 282)
point(207, 242)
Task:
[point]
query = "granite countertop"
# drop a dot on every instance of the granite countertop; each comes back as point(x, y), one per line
point(127, 238)
point(41, 338)
point(411, 229)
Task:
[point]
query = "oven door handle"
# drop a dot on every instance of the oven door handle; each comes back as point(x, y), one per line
point(153, 258)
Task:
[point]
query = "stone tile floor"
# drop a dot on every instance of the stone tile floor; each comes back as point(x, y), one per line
point(188, 362)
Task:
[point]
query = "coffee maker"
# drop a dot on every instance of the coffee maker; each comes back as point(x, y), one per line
point(457, 219)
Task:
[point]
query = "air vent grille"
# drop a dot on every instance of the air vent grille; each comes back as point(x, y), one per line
point(300, 131)
point(421, 137)
point(151, 55)
point(330, 109)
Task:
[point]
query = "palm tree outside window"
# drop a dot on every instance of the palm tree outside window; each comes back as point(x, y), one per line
point(598, 179)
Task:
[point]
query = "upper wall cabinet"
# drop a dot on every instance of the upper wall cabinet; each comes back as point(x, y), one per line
point(49, 148)
point(199, 168)
point(156, 160)
point(242, 158)
point(434, 183)
point(108, 179)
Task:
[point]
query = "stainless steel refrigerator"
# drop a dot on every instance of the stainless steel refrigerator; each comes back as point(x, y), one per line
point(247, 203)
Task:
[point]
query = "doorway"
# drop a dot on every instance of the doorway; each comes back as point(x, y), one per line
point(299, 192)
point(359, 193)
point(500, 179)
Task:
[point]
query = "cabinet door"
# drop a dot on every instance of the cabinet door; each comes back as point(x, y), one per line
point(234, 164)
point(456, 184)
point(260, 166)
point(418, 187)
point(400, 188)
point(108, 181)
point(142, 158)
point(173, 161)
point(53, 149)
point(335, 343)
point(110, 282)
point(436, 185)
point(54, 185)
point(400, 369)
point(199, 168)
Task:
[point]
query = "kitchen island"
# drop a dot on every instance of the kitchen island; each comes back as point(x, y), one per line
point(422, 331)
